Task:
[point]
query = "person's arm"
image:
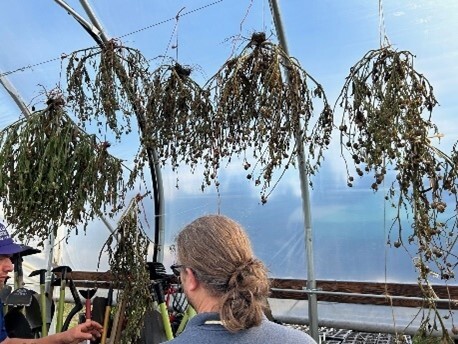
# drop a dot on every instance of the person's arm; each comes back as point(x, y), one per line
point(87, 330)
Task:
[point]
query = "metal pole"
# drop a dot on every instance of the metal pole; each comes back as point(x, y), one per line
point(15, 95)
point(107, 224)
point(375, 296)
point(49, 263)
point(94, 20)
point(92, 29)
point(304, 182)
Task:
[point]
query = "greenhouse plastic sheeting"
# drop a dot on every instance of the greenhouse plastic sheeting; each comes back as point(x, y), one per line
point(367, 318)
point(350, 226)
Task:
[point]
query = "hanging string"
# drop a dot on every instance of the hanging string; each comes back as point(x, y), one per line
point(384, 42)
point(246, 15)
point(267, 23)
point(174, 34)
point(386, 240)
point(264, 26)
point(236, 39)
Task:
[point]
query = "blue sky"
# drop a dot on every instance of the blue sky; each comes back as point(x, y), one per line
point(327, 37)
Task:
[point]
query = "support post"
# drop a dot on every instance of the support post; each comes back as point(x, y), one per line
point(304, 182)
point(15, 95)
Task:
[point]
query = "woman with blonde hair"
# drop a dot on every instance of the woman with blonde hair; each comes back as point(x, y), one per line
point(227, 286)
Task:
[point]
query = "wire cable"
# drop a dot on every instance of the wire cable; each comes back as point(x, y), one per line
point(21, 69)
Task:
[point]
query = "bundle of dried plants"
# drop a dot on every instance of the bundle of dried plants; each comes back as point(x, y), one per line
point(386, 125)
point(262, 99)
point(53, 174)
point(127, 249)
point(106, 84)
point(178, 114)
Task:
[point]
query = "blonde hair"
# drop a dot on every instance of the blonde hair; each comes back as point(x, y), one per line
point(219, 252)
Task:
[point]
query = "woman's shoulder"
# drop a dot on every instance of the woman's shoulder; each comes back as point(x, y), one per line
point(266, 332)
point(290, 335)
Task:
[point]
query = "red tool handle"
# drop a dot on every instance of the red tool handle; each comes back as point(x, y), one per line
point(88, 309)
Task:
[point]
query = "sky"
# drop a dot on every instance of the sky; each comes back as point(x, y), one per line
point(350, 226)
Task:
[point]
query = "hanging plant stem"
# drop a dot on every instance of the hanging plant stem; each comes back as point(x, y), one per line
point(127, 251)
point(258, 111)
point(97, 89)
point(383, 100)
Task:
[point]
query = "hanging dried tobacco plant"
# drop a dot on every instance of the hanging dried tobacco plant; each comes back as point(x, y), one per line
point(386, 124)
point(105, 85)
point(262, 99)
point(127, 249)
point(53, 174)
point(383, 100)
point(178, 115)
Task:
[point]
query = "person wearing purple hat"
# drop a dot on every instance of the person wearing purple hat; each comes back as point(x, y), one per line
point(89, 330)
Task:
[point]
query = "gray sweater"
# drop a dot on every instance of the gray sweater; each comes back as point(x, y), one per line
point(197, 331)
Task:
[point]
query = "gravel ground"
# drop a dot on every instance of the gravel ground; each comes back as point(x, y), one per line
point(338, 336)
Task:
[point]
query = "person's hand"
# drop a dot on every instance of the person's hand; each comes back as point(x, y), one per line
point(88, 330)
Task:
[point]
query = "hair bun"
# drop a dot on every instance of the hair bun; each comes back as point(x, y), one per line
point(240, 272)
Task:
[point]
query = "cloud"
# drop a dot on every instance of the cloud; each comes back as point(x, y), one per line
point(426, 20)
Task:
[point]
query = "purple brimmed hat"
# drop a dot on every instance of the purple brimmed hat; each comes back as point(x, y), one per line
point(7, 245)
